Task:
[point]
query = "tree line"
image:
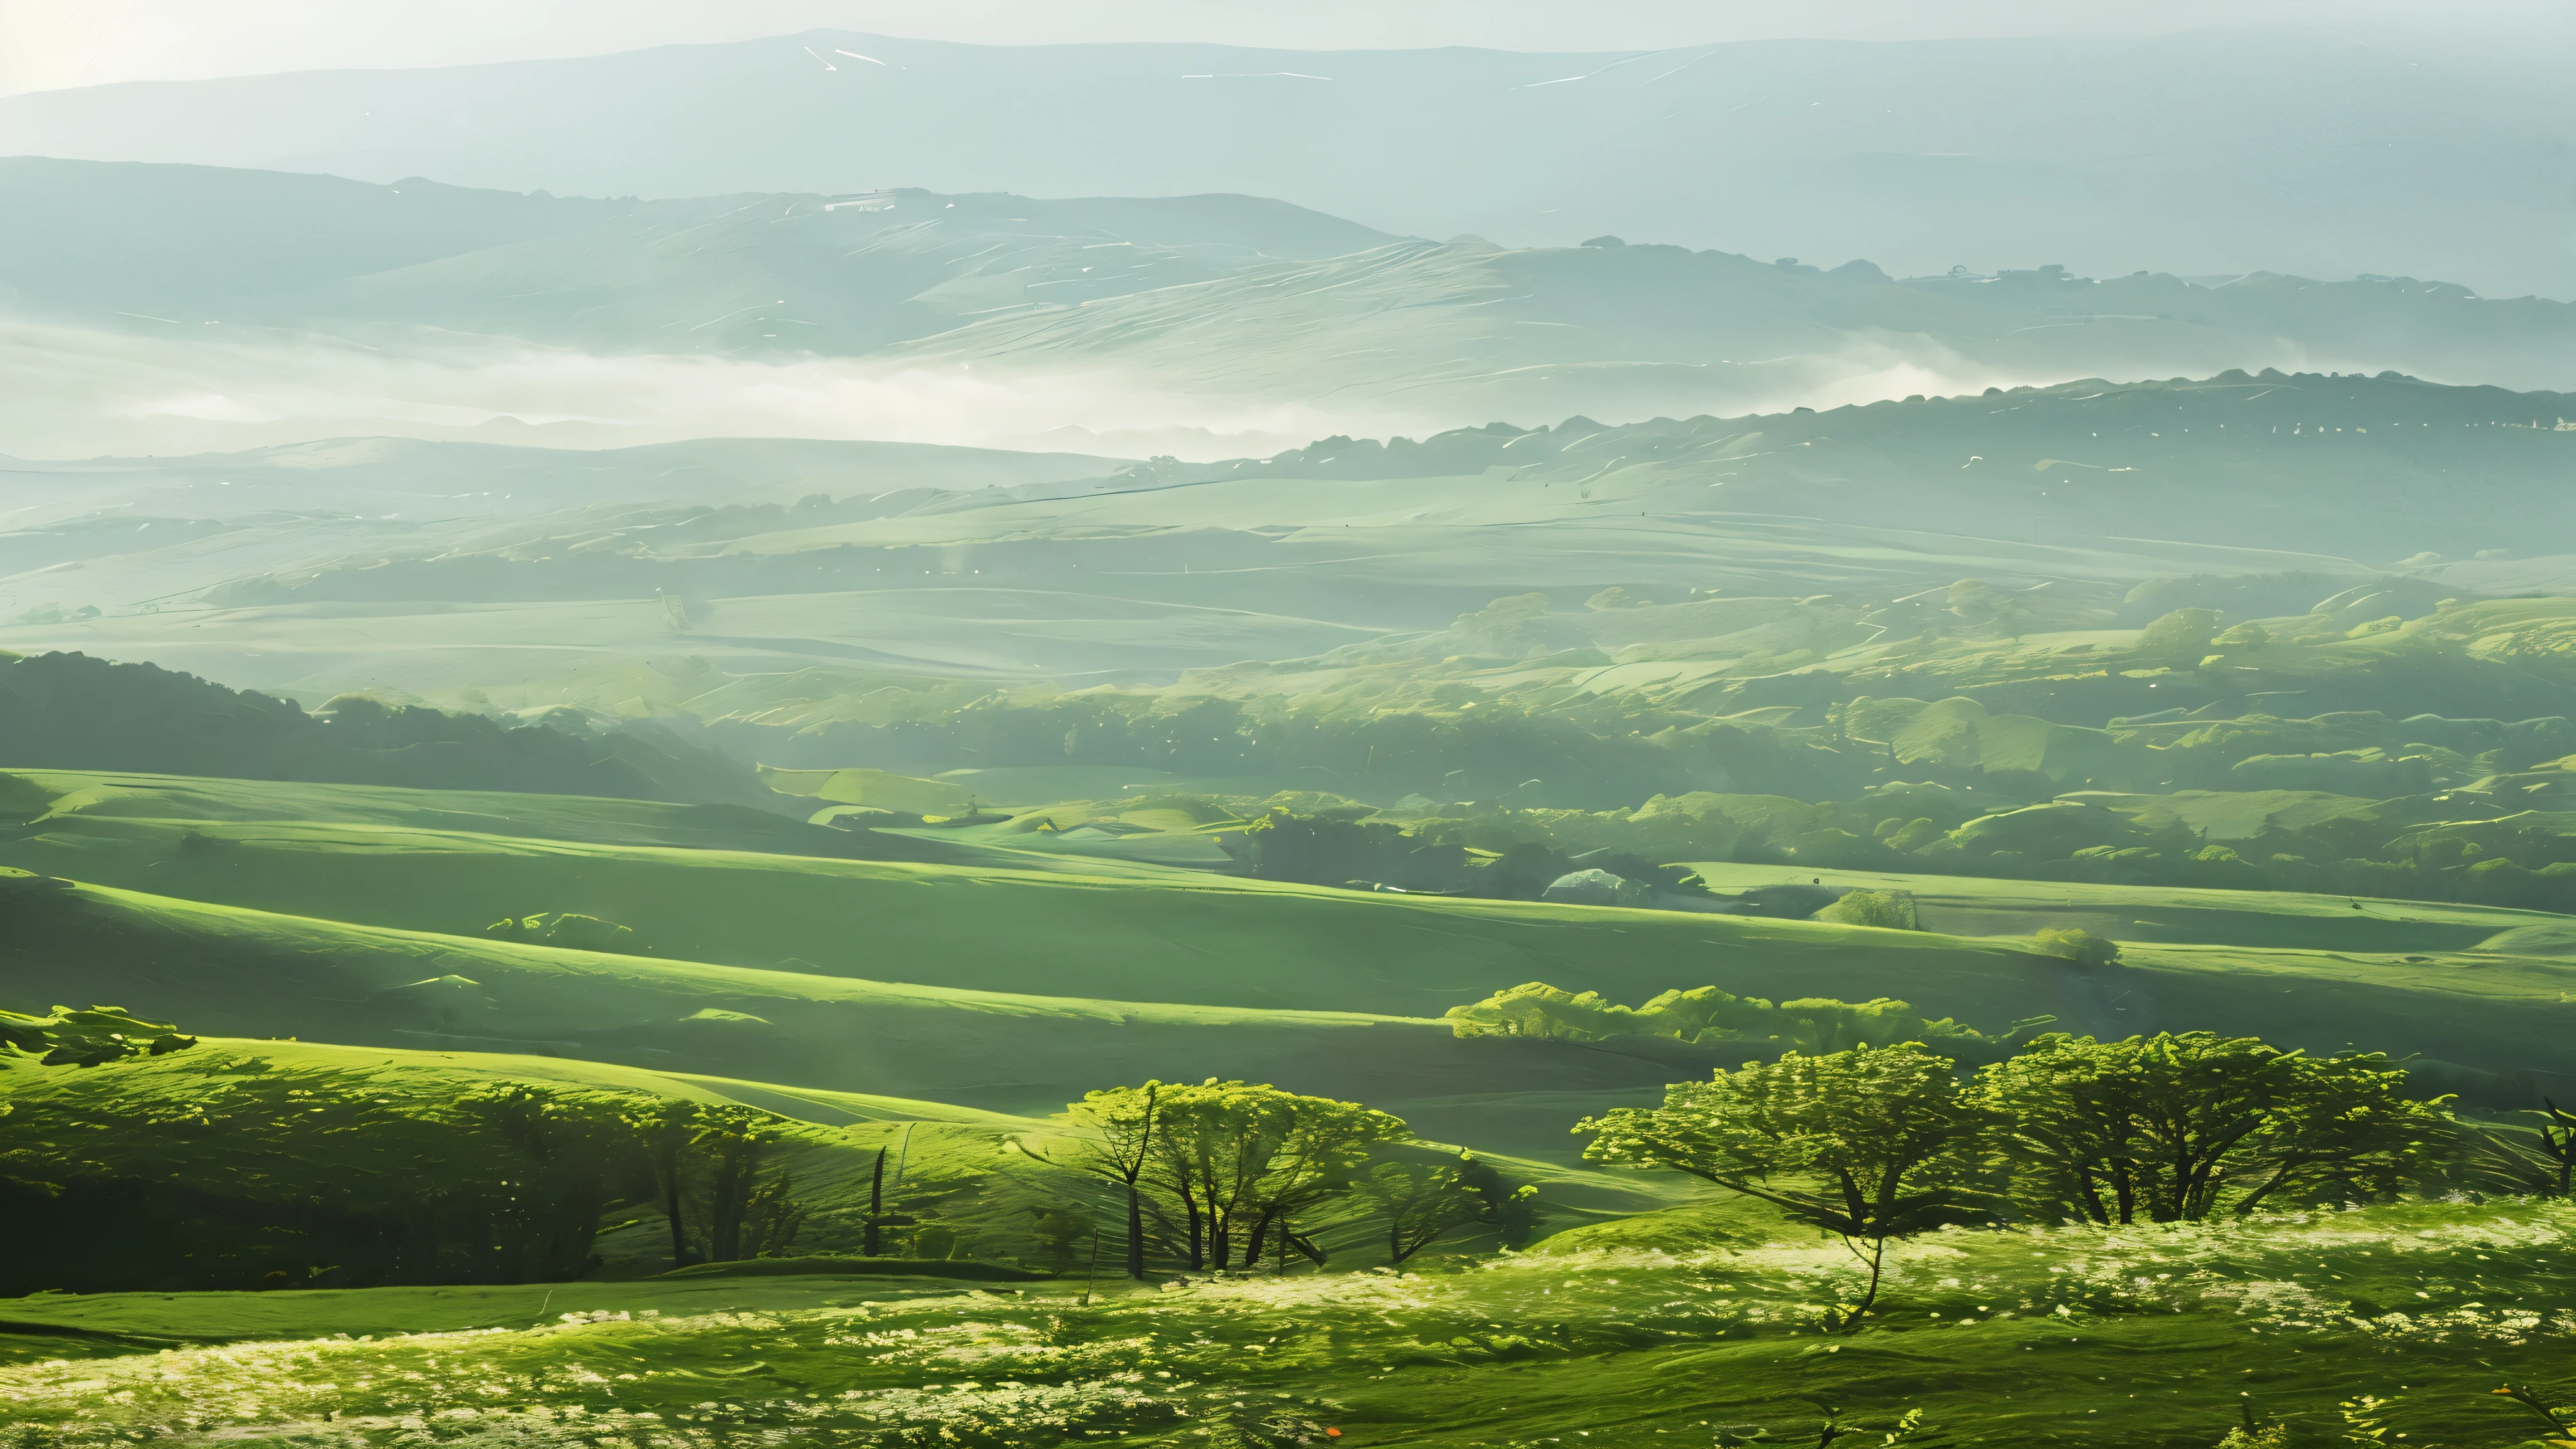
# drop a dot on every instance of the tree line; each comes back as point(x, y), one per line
point(73, 712)
point(1876, 1144)
point(332, 1182)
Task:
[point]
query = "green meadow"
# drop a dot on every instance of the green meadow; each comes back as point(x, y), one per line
point(667, 969)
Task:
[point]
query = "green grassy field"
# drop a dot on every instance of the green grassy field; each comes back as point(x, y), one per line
point(938, 990)
point(329, 903)
point(2156, 1338)
point(2180, 915)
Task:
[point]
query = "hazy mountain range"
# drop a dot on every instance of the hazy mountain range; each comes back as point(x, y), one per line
point(2207, 153)
point(2196, 153)
point(171, 308)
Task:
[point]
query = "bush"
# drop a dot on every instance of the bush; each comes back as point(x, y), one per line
point(1887, 910)
point(2078, 945)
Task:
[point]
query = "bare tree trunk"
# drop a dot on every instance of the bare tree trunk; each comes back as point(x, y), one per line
point(671, 1206)
point(876, 1206)
point(1877, 1261)
point(1135, 1232)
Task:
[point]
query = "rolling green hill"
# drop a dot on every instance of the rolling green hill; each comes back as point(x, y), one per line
point(1825, 533)
point(231, 969)
point(1545, 859)
point(913, 979)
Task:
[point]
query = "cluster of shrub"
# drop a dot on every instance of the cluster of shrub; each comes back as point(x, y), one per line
point(1707, 1017)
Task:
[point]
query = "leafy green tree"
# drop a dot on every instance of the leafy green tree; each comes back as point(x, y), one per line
point(1422, 1204)
point(1242, 1160)
point(663, 1131)
point(1118, 1130)
point(566, 1148)
point(1871, 1144)
point(1887, 910)
point(747, 1212)
point(2078, 945)
point(2170, 1128)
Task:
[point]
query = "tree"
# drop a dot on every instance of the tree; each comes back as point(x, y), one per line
point(1871, 1144)
point(663, 1130)
point(746, 1214)
point(1118, 1127)
point(1888, 910)
point(2348, 1132)
point(1243, 1160)
point(2078, 945)
point(2168, 1128)
point(564, 1149)
point(1421, 1204)
point(707, 1163)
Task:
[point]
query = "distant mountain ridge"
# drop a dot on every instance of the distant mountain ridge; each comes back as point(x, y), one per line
point(2206, 154)
point(86, 241)
point(1239, 301)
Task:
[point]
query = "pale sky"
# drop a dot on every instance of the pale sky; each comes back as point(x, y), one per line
point(45, 44)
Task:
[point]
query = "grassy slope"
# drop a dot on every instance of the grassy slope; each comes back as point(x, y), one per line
point(787, 936)
point(2150, 1339)
point(2177, 915)
point(227, 969)
point(1002, 924)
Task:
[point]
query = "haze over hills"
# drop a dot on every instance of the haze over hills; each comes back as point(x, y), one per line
point(430, 567)
point(2205, 153)
point(302, 306)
